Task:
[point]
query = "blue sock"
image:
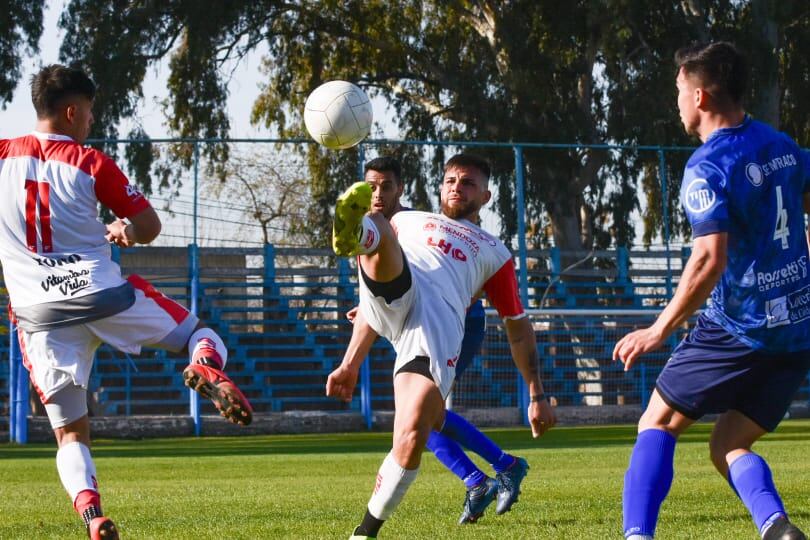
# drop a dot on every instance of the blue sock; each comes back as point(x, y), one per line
point(466, 434)
point(647, 481)
point(452, 456)
point(751, 479)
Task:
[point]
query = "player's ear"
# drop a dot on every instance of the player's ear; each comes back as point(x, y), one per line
point(701, 98)
point(487, 197)
point(70, 112)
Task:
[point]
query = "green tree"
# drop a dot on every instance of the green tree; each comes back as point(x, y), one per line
point(578, 71)
point(20, 30)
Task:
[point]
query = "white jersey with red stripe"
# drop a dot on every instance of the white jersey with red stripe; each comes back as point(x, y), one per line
point(56, 260)
point(461, 259)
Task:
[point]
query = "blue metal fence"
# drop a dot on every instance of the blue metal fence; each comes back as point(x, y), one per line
point(284, 322)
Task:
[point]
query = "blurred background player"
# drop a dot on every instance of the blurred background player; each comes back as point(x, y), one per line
point(66, 294)
point(418, 275)
point(745, 193)
point(383, 175)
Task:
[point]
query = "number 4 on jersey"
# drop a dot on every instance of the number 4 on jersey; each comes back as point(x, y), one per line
point(781, 231)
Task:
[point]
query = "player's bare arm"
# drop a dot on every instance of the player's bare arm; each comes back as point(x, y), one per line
point(523, 345)
point(343, 379)
point(142, 229)
point(700, 275)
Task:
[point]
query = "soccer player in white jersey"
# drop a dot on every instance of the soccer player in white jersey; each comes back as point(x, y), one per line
point(66, 294)
point(418, 275)
point(383, 175)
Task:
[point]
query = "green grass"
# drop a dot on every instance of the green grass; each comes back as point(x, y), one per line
point(317, 486)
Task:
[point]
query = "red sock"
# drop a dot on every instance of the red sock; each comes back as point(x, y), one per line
point(206, 348)
point(85, 499)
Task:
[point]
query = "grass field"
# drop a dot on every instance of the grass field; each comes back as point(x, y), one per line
point(317, 486)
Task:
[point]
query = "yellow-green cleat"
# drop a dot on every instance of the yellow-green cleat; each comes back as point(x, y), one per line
point(351, 206)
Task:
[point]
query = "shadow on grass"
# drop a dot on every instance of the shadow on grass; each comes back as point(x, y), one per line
point(513, 439)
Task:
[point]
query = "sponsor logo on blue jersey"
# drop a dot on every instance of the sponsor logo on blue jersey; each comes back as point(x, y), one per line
point(789, 273)
point(699, 196)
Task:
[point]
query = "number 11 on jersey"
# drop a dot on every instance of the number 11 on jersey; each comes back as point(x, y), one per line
point(38, 192)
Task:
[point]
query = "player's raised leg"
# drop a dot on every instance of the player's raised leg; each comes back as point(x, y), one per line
point(205, 374)
point(156, 320)
point(369, 236)
point(419, 409)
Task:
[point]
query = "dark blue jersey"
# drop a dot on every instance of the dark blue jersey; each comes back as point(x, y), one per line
point(748, 181)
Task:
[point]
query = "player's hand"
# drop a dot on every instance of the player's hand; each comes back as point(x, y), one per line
point(541, 417)
point(635, 344)
point(352, 313)
point(341, 383)
point(117, 234)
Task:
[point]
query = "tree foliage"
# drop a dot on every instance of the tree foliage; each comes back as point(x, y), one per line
point(524, 70)
point(20, 30)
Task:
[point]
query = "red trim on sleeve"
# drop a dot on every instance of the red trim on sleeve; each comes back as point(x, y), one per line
point(502, 291)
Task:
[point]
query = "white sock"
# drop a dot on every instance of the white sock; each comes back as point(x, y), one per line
point(639, 537)
point(392, 483)
point(369, 236)
point(76, 469)
point(206, 342)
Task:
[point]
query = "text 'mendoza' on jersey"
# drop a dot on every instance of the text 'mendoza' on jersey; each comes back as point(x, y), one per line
point(749, 181)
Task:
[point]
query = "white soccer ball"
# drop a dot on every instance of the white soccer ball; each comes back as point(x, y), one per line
point(338, 114)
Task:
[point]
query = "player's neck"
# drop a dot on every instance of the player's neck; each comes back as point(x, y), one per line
point(49, 126)
point(712, 121)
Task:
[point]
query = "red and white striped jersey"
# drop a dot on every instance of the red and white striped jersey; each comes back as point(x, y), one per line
point(461, 258)
point(52, 244)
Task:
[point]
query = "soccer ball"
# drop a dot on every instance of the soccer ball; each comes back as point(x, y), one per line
point(338, 114)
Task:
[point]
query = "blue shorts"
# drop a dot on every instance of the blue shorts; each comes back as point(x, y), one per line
point(474, 334)
point(710, 371)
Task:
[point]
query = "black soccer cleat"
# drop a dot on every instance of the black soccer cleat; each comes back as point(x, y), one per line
point(509, 484)
point(477, 499)
point(782, 529)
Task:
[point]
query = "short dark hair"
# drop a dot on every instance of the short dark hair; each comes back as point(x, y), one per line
point(719, 66)
point(469, 160)
point(54, 83)
point(385, 164)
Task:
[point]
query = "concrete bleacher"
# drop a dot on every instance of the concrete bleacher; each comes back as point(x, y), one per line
point(281, 312)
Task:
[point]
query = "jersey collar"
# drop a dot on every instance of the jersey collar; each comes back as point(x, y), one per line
point(730, 130)
point(51, 136)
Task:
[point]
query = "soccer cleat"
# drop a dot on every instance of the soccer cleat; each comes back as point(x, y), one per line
point(509, 484)
point(213, 384)
point(782, 529)
point(102, 528)
point(477, 500)
point(356, 536)
point(350, 208)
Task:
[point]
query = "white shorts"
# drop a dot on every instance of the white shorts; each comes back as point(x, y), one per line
point(62, 356)
point(419, 323)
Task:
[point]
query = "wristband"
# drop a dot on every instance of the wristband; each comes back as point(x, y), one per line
point(538, 398)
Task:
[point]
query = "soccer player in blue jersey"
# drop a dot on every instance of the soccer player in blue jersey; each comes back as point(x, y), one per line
point(383, 174)
point(745, 192)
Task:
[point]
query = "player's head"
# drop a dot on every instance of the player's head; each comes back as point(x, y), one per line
point(465, 188)
point(63, 96)
point(383, 175)
point(711, 77)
